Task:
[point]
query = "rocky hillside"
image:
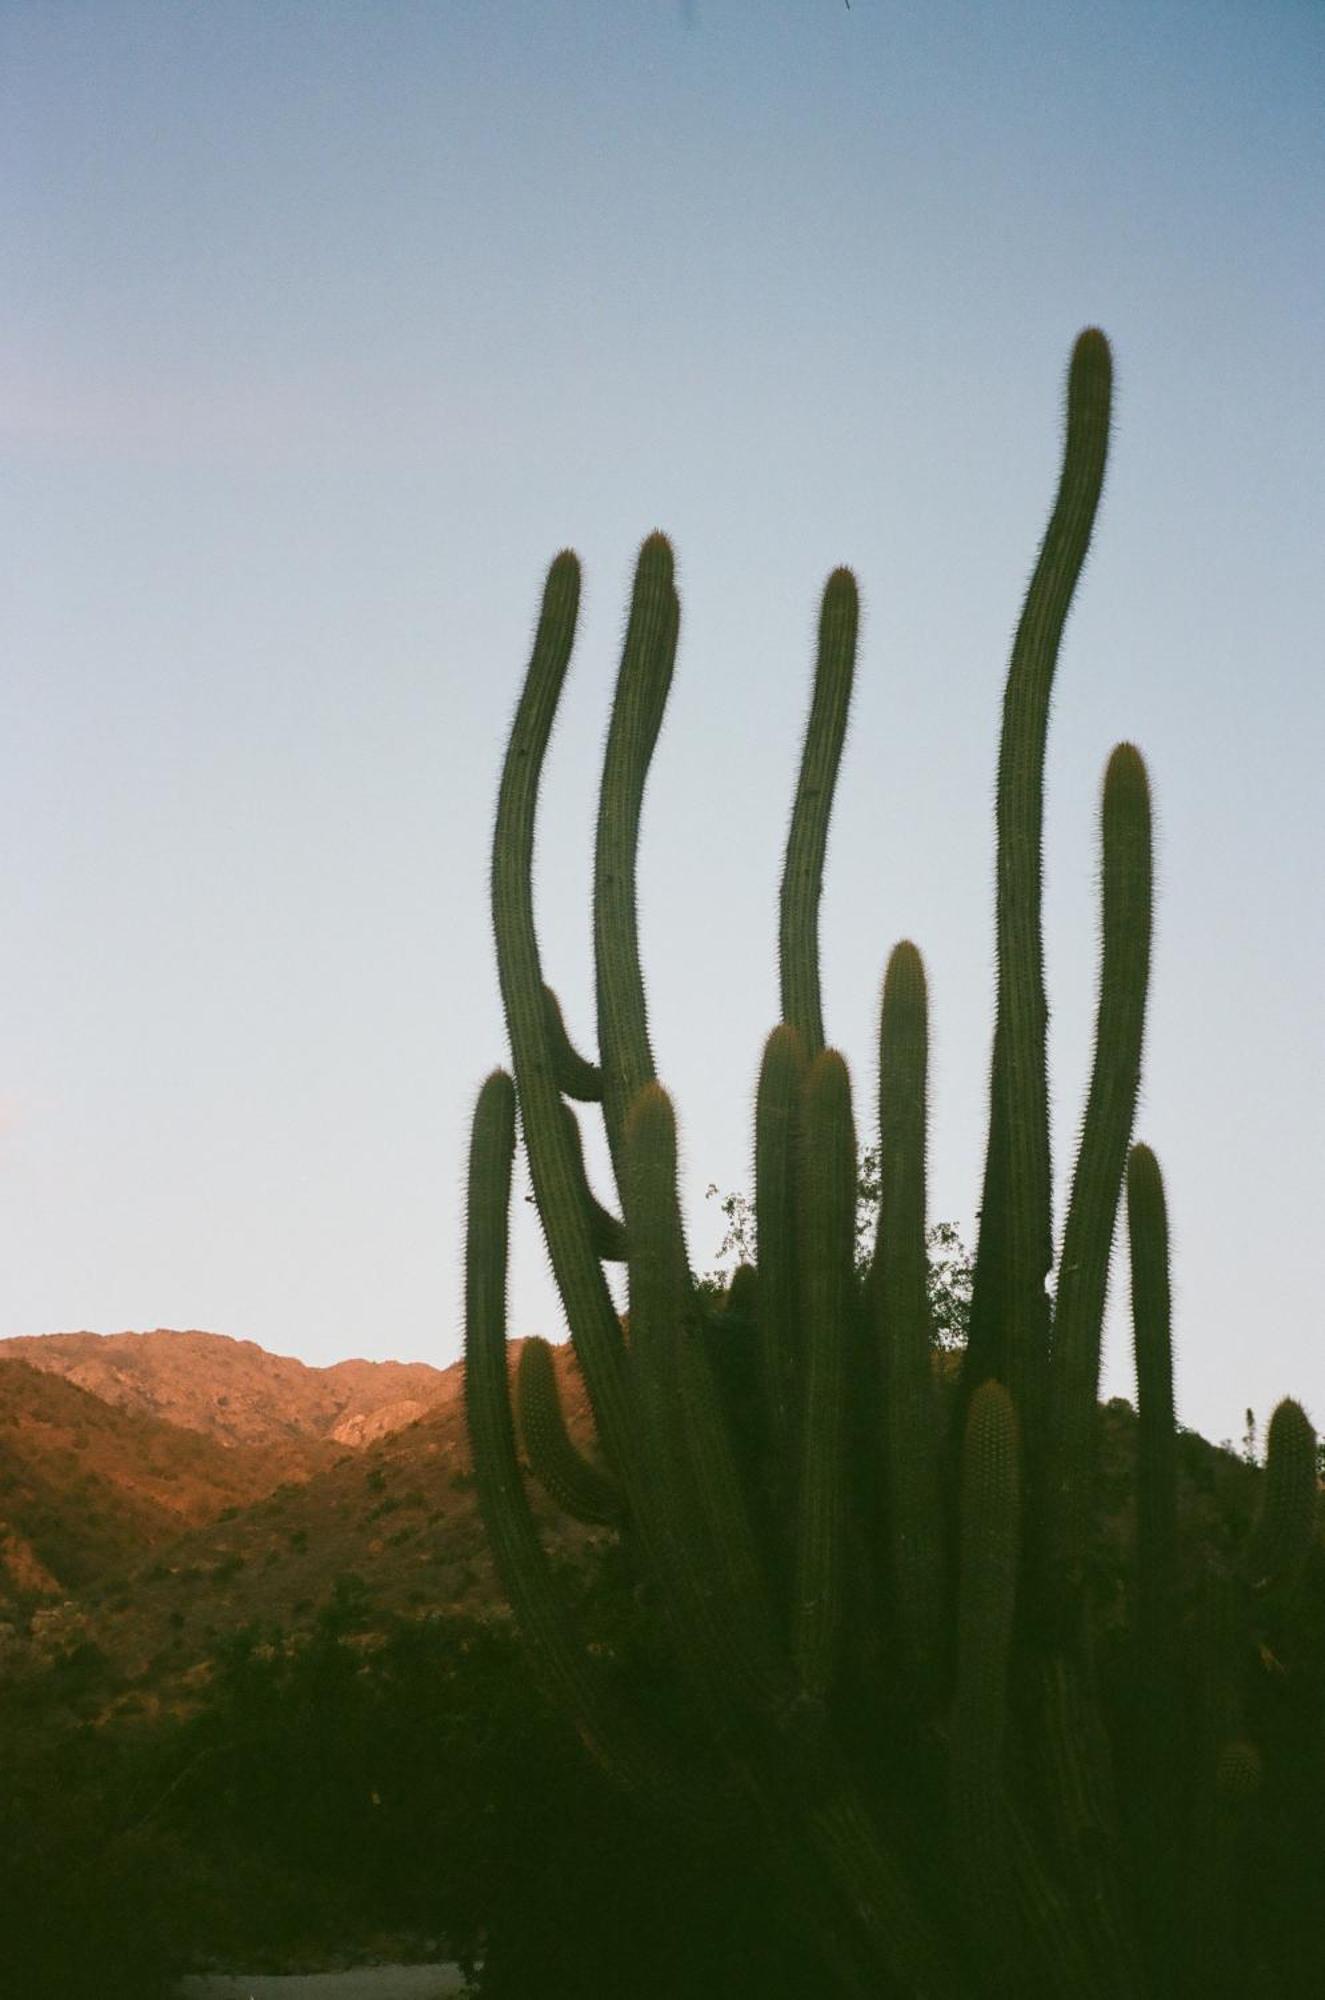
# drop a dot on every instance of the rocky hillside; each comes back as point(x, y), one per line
point(393, 1523)
point(151, 1544)
point(86, 1486)
point(233, 1390)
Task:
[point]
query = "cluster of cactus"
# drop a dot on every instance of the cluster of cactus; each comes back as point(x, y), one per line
point(874, 1570)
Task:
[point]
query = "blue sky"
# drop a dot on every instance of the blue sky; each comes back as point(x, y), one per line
point(324, 327)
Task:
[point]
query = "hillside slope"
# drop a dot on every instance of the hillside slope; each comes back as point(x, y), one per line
point(86, 1487)
point(393, 1524)
point(234, 1390)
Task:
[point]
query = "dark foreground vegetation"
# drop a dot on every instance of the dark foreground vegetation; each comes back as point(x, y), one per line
point(387, 1781)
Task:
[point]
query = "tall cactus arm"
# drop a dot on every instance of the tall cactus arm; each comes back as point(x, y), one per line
point(503, 1503)
point(556, 1172)
point(691, 1500)
point(826, 1244)
point(577, 1485)
point(1009, 1307)
point(647, 659)
point(1286, 1524)
point(1160, 1806)
point(807, 841)
point(777, 1119)
point(1101, 1160)
point(900, 1299)
point(1157, 1444)
point(577, 1076)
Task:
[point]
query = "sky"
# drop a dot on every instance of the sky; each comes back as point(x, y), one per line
point(324, 328)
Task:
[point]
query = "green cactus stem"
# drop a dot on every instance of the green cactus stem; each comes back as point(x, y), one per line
point(899, 1291)
point(827, 1241)
point(1083, 1816)
point(577, 1485)
point(645, 676)
point(576, 1075)
point(807, 840)
point(606, 1232)
point(555, 1169)
point(777, 1121)
point(691, 1492)
point(1157, 1453)
point(1286, 1524)
point(1101, 1161)
point(1240, 1772)
point(521, 1562)
point(1009, 1334)
point(1159, 1805)
point(986, 1608)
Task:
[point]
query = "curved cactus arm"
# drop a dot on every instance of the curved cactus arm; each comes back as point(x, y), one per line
point(691, 1500)
point(503, 1503)
point(826, 1245)
point(807, 840)
point(1286, 1523)
point(576, 1075)
point(777, 1121)
point(990, 1528)
point(1009, 1334)
point(556, 1173)
point(1101, 1161)
point(606, 1232)
point(577, 1485)
point(900, 1298)
point(645, 676)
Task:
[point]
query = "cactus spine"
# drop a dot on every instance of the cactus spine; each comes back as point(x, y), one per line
point(886, 1640)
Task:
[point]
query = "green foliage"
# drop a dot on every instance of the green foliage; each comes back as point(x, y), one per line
point(890, 1634)
point(950, 1265)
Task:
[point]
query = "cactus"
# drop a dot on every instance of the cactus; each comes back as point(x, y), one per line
point(882, 1619)
point(578, 1486)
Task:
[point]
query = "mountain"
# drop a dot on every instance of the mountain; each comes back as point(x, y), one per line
point(168, 1540)
point(393, 1527)
point(233, 1390)
point(86, 1486)
point(162, 1563)
point(112, 1445)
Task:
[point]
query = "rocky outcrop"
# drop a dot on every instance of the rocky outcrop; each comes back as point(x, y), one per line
point(233, 1390)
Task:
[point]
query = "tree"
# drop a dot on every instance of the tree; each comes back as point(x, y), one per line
point(950, 1263)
